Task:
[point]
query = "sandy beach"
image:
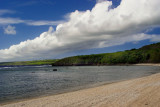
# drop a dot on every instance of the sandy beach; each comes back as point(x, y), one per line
point(148, 64)
point(140, 92)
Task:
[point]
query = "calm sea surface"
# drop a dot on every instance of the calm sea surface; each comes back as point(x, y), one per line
point(17, 83)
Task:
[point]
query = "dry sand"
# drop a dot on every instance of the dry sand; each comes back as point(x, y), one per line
point(141, 92)
point(148, 64)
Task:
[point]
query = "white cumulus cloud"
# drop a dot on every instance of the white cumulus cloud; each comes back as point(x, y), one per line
point(99, 27)
point(10, 30)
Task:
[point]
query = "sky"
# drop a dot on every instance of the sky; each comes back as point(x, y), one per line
point(50, 29)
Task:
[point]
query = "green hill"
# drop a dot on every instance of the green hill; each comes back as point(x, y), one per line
point(146, 54)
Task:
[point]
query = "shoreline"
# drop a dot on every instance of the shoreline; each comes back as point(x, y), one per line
point(135, 92)
point(136, 64)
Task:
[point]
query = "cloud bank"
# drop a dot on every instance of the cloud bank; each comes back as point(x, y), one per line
point(100, 27)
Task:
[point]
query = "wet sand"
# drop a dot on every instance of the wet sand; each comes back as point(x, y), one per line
point(140, 92)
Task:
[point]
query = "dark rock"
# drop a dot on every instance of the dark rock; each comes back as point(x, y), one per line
point(54, 69)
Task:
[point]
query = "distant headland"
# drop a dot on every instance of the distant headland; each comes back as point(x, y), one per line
point(145, 54)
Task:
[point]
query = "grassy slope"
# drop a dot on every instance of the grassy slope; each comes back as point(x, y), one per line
point(146, 54)
point(37, 62)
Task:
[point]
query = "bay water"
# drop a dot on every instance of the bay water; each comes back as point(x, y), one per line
point(24, 82)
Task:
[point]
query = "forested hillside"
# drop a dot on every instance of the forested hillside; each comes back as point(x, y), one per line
point(146, 54)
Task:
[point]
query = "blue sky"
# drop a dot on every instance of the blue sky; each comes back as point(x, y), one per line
point(36, 10)
point(84, 27)
point(47, 10)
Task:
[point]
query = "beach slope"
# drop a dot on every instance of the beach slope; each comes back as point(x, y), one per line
point(141, 92)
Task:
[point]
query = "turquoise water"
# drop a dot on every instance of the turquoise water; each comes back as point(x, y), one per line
point(17, 83)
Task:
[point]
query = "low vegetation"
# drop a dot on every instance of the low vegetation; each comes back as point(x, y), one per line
point(36, 62)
